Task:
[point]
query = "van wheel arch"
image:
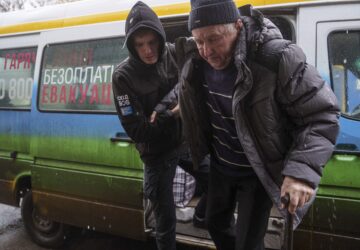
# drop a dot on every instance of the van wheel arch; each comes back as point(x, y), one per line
point(44, 232)
point(23, 185)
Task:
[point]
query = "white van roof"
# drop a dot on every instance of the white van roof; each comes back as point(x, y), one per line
point(95, 11)
point(76, 9)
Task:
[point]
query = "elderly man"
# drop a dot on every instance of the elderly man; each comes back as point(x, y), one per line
point(267, 118)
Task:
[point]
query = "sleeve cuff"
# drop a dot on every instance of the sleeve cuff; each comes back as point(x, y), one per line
point(302, 172)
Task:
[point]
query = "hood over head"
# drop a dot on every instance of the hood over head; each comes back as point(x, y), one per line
point(142, 16)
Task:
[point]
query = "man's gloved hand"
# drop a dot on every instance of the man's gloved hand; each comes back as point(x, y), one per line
point(175, 112)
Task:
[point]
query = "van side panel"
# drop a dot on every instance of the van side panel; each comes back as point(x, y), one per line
point(17, 67)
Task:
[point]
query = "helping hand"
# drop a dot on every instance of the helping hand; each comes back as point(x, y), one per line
point(175, 112)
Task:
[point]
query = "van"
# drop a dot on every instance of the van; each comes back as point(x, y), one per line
point(65, 156)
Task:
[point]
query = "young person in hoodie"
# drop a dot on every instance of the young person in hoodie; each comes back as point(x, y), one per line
point(266, 117)
point(139, 84)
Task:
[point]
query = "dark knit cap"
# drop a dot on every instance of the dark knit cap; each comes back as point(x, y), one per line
point(211, 12)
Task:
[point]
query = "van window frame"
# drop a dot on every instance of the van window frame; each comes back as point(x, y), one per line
point(89, 112)
point(331, 69)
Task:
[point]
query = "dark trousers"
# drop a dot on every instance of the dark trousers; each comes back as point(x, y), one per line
point(158, 189)
point(253, 213)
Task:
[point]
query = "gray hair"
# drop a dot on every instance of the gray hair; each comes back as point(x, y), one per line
point(229, 27)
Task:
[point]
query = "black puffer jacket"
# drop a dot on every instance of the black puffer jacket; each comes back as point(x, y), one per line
point(286, 116)
point(138, 87)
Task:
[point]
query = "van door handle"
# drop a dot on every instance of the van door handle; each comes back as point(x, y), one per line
point(346, 152)
point(121, 137)
point(13, 155)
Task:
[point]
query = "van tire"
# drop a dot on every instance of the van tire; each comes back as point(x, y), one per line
point(42, 231)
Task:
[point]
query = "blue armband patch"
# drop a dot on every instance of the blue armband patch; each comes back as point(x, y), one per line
point(127, 110)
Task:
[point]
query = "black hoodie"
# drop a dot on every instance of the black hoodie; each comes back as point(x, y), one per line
point(139, 87)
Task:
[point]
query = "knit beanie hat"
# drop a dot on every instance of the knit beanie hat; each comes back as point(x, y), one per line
point(211, 12)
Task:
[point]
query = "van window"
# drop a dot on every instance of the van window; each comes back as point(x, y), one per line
point(77, 77)
point(175, 27)
point(344, 58)
point(16, 77)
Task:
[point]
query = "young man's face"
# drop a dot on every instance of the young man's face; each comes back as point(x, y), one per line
point(216, 43)
point(147, 46)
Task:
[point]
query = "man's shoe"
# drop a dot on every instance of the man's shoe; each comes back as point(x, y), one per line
point(199, 222)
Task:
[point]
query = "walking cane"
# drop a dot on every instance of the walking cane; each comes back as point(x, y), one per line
point(289, 233)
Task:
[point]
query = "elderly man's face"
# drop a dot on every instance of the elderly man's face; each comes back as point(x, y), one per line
point(216, 43)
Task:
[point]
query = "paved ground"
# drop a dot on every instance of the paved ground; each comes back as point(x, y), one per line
point(12, 234)
point(14, 237)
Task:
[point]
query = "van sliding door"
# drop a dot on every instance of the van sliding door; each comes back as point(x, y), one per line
point(338, 52)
